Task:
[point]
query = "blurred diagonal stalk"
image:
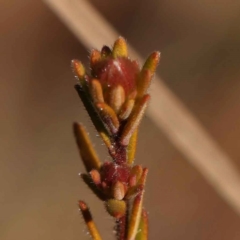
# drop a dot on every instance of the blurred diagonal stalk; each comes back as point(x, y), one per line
point(165, 110)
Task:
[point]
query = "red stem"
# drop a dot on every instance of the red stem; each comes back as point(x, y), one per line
point(121, 228)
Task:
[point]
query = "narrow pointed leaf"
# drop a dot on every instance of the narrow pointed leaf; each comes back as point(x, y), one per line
point(96, 119)
point(152, 62)
point(136, 171)
point(134, 191)
point(87, 152)
point(126, 109)
point(143, 178)
point(144, 82)
point(131, 148)
point(134, 217)
point(89, 181)
point(95, 57)
point(78, 68)
point(87, 216)
point(135, 213)
point(142, 233)
point(141, 175)
point(134, 120)
point(120, 48)
point(108, 143)
point(96, 91)
point(109, 117)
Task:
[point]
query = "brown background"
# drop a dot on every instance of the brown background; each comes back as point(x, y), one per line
point(199, 41)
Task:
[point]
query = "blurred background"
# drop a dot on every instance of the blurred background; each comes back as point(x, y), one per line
point(39, 166)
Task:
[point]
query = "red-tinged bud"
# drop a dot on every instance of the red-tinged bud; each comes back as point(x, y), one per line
point(116, 208)
point(115, 96)
point(120, 71)
point(112, 173)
